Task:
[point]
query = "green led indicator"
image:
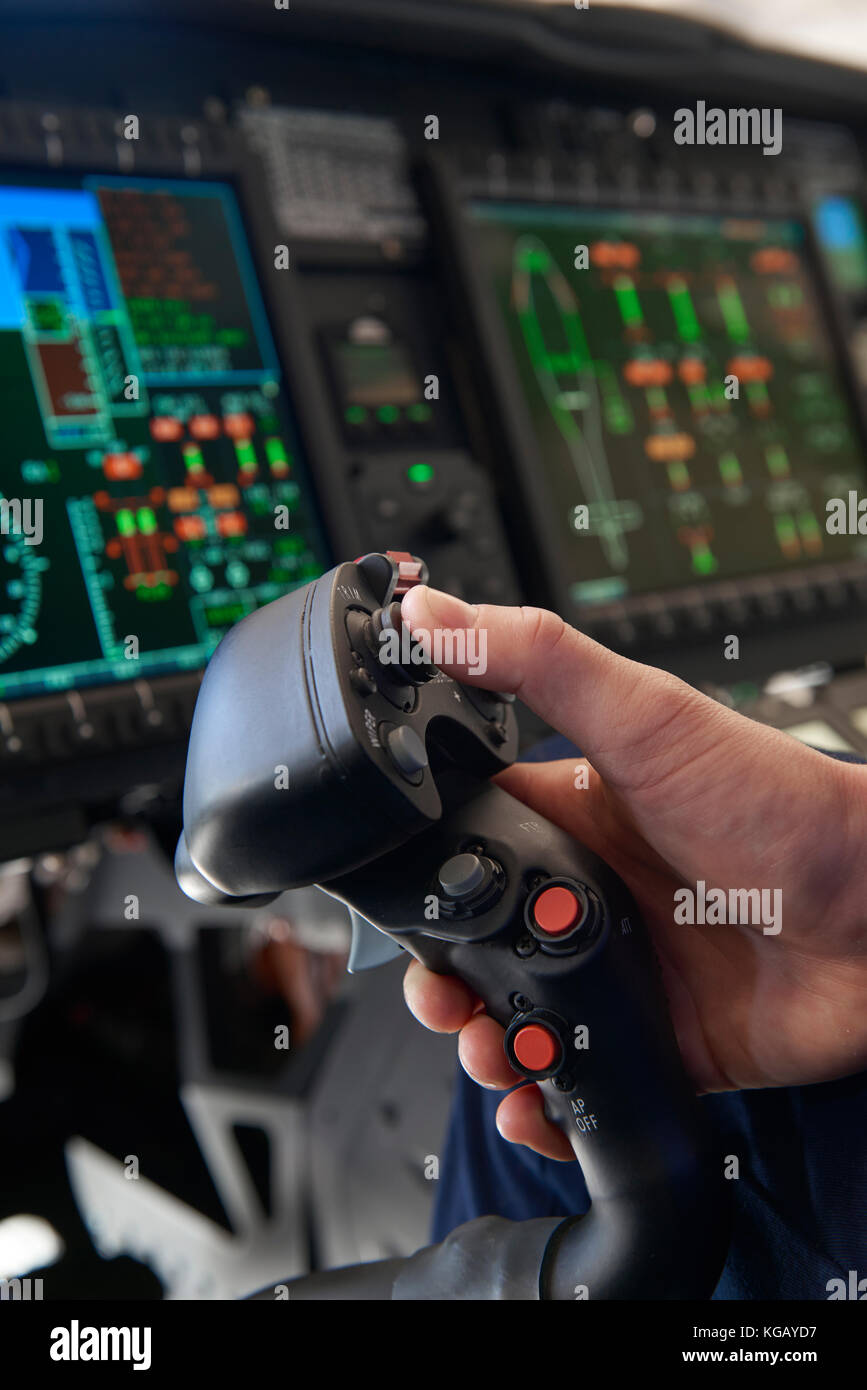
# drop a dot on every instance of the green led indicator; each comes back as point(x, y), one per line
point(147, 521)
point(288, 545)
point(246, 455)
point(785, 528)
point(275, 452)
point(627, 301)
point(680, 300)
point(733, 312)
point(703, 560)
point(43, 471)
point(388, 415)
point(534, 260)
point(808, 526)
point(619, 421)
point(420, 473)
point(355, 415)
point(201, 579)
point(223, 614)
point(419, 413)
point(777, 460)
point(617, 413)
point(730, 470)
point(237, 574)
point(193, 458)
point(125, 522)
point(785, 296)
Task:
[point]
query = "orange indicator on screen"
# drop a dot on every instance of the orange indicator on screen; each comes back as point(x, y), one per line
point(667, 448)
point(647, 372)
point(183, 499)
point(774, 260)
point(223, 495)
point(119, 467)
point(204, 426)
point(751, 368)
point(239, 426)
point(232, 524)
point(190, 528)
point(166, 428)
point(691, 371)
point(618, 255)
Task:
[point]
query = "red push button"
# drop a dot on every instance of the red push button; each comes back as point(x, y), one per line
point(557, 910)
point(535, 1047)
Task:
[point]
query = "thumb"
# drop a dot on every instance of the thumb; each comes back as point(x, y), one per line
point(634, 723)
point(711, 790)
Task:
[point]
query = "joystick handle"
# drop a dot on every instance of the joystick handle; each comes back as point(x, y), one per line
point(370, 779)
point(549, 937)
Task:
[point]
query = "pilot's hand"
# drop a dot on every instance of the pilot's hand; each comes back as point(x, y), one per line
point(681, 789)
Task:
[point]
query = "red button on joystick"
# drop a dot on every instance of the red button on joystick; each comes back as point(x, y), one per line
point(557, 910)
point(535, 1047)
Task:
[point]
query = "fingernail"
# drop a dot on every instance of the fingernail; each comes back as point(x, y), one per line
point(500, 1131)
point(446, 609)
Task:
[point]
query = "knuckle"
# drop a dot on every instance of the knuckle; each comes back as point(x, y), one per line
point(542, 628)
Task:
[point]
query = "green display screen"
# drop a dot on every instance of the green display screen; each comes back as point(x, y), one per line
point(683, 388)
point(151, 492)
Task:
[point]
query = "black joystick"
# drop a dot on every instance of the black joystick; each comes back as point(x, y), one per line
point(382, 752)
point(469, 884)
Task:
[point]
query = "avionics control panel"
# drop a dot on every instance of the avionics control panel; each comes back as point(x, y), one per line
point(280, 326)
point(196, 420)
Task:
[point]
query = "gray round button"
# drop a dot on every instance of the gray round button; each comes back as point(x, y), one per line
point(461, 875)
point(406, 750)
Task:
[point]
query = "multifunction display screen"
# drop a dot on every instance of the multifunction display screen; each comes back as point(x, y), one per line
point(152, 492)
point(683, 388)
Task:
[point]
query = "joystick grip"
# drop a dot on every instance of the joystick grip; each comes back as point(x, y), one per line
point(335, 765)
point(552, 942)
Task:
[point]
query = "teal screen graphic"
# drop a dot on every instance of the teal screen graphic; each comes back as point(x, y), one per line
point(150, 481)
point(658, 475)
